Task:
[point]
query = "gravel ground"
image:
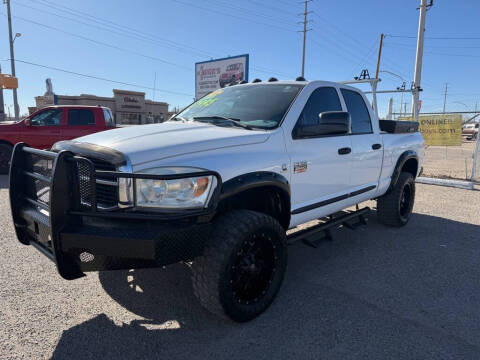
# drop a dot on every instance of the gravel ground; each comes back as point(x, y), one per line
point(375, 293)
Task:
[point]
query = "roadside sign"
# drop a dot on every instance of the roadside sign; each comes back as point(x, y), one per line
point(8, 82)
point(438, 130)
point(215, 74)
point(441, 129)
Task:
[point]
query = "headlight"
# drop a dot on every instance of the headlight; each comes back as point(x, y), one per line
point(188, 192)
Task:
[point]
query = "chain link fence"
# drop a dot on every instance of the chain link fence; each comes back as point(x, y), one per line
point(476, 161)
point(453, 162)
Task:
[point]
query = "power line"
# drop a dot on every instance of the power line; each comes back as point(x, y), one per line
point(437, 37)
point(435, 46)
point(286, 2)
point(450, 54)
point(354, 45)
point(366, 57)
point(113, 30)
point(253, 12)
point(118, 27)
point(132, 34)
point(274, 8)
point(455, 55)
point(104, 44)
point(99, 78)
point(231, 15)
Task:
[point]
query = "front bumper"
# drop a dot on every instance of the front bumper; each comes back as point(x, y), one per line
point(78, 239)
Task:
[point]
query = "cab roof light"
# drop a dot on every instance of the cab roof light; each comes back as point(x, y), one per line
point(272, 79)
point(256, 80)
point(300, 78)
point(243, 82)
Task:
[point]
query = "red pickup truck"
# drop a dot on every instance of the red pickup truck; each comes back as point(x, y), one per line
point(45, 127)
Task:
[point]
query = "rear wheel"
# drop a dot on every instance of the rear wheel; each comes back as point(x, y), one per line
point(395, 208)
point(242, 267)
point(5, 155)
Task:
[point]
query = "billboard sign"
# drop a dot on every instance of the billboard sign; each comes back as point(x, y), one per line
point(439, 130)
point(215, 74)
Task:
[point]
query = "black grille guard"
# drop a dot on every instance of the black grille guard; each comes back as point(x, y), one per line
point(40, 215)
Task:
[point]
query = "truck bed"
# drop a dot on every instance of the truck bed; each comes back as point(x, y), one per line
point(398, 127)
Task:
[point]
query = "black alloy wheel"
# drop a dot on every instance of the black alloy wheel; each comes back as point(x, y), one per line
point(254, 269)
point(242, 267)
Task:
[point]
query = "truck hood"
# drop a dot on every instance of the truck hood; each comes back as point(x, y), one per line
point(10, 124)
point(146, 143)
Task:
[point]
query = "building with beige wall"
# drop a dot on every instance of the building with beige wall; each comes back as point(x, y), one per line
point(128, 107)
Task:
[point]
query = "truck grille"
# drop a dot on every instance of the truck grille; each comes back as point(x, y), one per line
point(106, 187)
point(42, 166)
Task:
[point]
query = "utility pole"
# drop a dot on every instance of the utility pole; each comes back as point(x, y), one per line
point(2, 106)
point(445, 97)
point(419, 57)
point(12, 58)
point(379, 55)
point(154, 85)
point(305, 30)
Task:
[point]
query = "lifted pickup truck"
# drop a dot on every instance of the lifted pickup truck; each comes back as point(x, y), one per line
point(46, 126)
point(217, 186)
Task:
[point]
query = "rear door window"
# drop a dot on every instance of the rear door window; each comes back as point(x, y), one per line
point(361, 123)
point(81, 117)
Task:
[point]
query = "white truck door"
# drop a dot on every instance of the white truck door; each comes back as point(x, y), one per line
point(320, 167)
point(367, 146)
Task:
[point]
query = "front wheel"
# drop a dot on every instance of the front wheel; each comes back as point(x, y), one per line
point(395, 208)
point(242, 267)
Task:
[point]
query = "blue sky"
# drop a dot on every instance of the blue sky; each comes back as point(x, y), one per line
point(130, 41)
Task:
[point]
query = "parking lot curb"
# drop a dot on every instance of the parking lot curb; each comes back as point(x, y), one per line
point(446, 182)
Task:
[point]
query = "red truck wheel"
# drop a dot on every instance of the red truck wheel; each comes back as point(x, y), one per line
point(5, 155)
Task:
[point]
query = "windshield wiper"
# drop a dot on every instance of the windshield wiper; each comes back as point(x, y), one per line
point(234, 121)
point(178, 118)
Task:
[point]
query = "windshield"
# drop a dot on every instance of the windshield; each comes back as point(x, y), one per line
point(258, 106)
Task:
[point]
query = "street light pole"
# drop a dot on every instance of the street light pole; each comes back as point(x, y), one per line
point(12, 59)
point(402, 87)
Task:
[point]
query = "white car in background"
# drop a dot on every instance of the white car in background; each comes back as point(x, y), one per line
point(471, 130)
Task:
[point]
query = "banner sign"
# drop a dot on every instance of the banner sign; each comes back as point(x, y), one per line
point(216, 74)
point(438, 130)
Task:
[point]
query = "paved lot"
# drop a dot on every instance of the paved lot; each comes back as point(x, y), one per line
point(377, 293)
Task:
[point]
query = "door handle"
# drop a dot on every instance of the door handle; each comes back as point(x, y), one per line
point(344, 151)
point(376, 146)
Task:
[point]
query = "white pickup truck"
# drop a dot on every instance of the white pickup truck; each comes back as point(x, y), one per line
point(217, 186)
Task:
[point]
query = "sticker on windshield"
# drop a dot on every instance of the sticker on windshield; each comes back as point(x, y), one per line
point(216, 92)
point(206, 101)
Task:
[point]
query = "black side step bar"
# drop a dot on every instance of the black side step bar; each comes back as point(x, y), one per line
point(325, 227)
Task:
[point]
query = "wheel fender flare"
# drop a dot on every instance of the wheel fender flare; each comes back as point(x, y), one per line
point(253, 180)
point(259, 179)
point(407, 155)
